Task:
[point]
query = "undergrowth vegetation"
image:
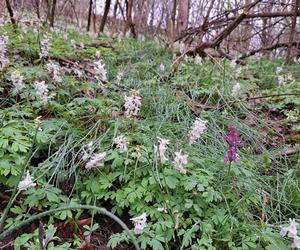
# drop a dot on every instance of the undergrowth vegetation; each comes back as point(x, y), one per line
point(68, 130)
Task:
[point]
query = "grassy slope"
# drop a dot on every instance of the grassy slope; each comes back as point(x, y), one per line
point(213, 209)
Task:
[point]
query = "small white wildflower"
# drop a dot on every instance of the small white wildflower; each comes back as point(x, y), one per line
point(198, 60)
point(281, 80)
point(290, 230)
point(179, 162)
point(26, 182)
point(139, 223)
point(121, 143)
point(95, 160)
point(132, 105)
point(197, 130)
point(73, 43)
point(232, 64)
point(120, 76)
point(45, 47)
point(98, 54)
point(54, 69)
point(278, 70)
point(42, 91)
point(162, 147)
point(236, 89)
point(87, 150)
point(238, 72)
point(162, 210)
point(4, 61)
point(162, 67)
point(100, 71)
point(17, 80)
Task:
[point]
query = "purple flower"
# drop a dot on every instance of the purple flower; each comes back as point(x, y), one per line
point(233, 140)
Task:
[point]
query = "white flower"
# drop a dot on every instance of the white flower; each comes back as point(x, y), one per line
point(132, 105)
point(162, 147)
point(120, 76)
point(100, 71)
point(45, 47)
point(179, 161)
point(162, 67)
point(197, 130)
point(42, 91)
point(232, 64)
point(95, 160)
point(296, 242)
point(290, 230)
point(236, 89)
point(121, 143)
point(4, 61)
point(54, 69)
point(238, 72)
point(198, 60)
point(26, 183)
point(73, 43)
point(98, 54)
point(278, 70)
point(139, 223)
point(162, 209)
point(17, 80)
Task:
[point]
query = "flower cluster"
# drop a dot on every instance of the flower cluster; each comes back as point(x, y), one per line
point(291, 232)
point(198, 60)
point(100, 71)
point(120, 75)
point(3, 58)
point(45, 47)
point(54, 70)
point(26, 182)
point(233, 140)
point(197, 130)
point(162, 147)
point(236, 89)
point(121, 143)
point(139, 223)
point(180, 161)
point(87, 150)
point(95, 160)
point(132, 105)
point(17, 80)
point(42, 91)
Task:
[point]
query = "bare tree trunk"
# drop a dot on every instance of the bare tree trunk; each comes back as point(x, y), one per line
point(173, 20)
point(104, 17)
point(37, 7)
point(293, 30)
point(183, 15)
point(52, 14)
point(129, 23)
point(89, 16)
point(11, 13)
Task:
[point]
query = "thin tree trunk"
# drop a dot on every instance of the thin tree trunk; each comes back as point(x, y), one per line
point(89, 16)
point(52, 14)
point(129, 23)
point(173, 20)
point(37, 7)
point(293, 30)
point(11, 13)
point(104, 17)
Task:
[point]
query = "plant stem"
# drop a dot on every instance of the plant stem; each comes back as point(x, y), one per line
point(229, 169)
point(74, 207)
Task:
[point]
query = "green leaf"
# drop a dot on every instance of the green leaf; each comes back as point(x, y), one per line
point(171, 181)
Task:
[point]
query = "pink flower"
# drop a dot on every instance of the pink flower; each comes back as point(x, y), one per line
point(197, 130)
point(162, 147)
point(233, 140)
point(139, 223)
point(132, 105)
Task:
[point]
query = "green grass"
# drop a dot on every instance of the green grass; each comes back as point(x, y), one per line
point(214, 210)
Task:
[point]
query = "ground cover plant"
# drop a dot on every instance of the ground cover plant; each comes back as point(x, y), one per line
point(203, 154)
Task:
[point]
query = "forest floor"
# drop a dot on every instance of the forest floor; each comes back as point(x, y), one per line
point(98, 136)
